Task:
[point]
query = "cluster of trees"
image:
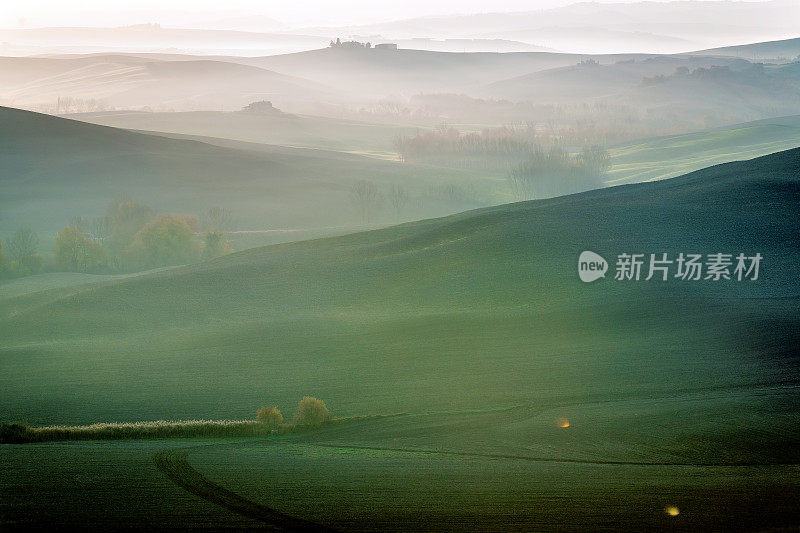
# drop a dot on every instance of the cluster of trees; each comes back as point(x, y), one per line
point(536, 171)
point(367, 200)
point(555, 172)
point(740, 72)
point(130, 237)
point(338, 43)
point(448, 145)
point(311, 412)
point(70, 104)
point(265, 107)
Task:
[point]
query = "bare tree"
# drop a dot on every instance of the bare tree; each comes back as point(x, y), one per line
point(366, 199)
point(595, 160)
point(219, 219)
point(399, 198)
point(22, 245)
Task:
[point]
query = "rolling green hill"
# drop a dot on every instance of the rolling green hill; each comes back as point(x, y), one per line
point(645, 160)
point(281, 129)
point(680, 395)
point(53, 169)
point(482, 308)
point(667, 157)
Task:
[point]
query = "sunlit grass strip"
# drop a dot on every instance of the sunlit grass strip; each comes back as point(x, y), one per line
point(135, 430)
point(159, 429)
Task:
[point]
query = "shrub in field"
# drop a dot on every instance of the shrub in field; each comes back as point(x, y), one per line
point(311, 412)
point(160, 429)
point(13, 433)
point(270, 416)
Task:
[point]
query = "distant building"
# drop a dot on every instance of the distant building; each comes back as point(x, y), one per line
point(386, 46)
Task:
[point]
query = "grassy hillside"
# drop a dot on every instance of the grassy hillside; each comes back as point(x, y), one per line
point(678, 394)
point(53, 169)
point(282, 129)
point(477, 309)
point(667, 157)
point(646, 160)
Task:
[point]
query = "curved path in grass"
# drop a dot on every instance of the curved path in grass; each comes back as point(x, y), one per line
point(174, 464)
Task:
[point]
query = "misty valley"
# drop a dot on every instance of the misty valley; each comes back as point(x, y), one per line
point(400, 267)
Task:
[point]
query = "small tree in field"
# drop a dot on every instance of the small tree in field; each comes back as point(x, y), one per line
point(311, 412)
point(366, 199)
point(270, 416)
point(216, 245)
point(399, 198)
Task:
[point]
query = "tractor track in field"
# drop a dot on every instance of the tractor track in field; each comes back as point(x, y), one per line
point(565, 460)
point(174, 464)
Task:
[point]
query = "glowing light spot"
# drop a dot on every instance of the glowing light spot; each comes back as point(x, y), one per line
point(672, 510)
point(563, 423)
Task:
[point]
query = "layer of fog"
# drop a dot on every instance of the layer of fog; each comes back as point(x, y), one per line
point(642, 27)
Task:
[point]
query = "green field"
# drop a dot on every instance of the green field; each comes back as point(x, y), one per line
point(297, 188)
point(667, 157)
point(108, 485)
point(678, 393)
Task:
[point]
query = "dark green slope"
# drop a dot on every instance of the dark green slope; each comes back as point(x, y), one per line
point(479, 309)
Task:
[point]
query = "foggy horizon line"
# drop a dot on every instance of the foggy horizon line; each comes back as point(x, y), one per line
point(289, 26)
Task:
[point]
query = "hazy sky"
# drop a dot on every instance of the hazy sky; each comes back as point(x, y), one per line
point(295, 13)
